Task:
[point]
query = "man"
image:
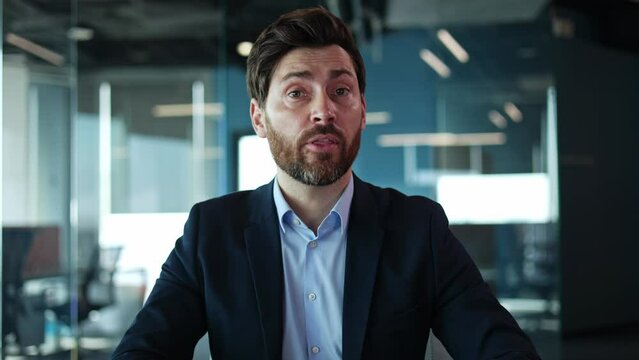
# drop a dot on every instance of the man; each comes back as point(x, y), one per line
point(318, 264)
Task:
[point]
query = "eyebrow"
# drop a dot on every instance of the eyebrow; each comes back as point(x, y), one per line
point(339, 72)
point(307, 74)
point(297, 74)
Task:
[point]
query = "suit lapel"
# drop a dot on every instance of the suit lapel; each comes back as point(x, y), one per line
point(263, 247)
point(364, 242)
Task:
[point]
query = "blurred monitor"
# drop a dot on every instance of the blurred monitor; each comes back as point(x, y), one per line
point(31, 252)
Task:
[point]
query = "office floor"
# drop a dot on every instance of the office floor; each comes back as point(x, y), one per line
point(620, 344)
point(617, 346)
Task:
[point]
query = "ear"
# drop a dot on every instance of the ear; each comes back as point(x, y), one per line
point(363, 124)
point(258, 119)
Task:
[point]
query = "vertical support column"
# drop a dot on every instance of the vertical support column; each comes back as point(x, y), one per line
point(221, 79)
point(410, 165)
point(476, 161)
point(198, 141)
point(552, 161)
point(1, 166)
point(73, 224)
point(104, 109)
point(33, 143)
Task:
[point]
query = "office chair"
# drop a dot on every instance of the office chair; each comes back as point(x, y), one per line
point(97, 288)
point(22, 315)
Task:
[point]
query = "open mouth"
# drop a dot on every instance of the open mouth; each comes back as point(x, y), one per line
point(324, 141)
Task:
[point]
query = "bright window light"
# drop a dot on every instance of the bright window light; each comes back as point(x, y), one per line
point(256, 166)
point(147, 239)
point(495, 199)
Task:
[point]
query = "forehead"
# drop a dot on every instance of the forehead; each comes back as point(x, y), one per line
point(322, 59)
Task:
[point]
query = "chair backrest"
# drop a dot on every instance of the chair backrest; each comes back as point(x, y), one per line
point(15, 247)
point(100, 288)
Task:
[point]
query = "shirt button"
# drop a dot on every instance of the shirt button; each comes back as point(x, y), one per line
point(313, 244)
point(315, 349)
point(297, 222)
point(312, 296)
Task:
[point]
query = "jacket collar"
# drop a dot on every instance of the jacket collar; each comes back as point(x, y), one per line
point(262, 239)
point(364, 242)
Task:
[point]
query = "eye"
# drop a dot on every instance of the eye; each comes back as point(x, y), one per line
point(341, 91)
point(295, 94)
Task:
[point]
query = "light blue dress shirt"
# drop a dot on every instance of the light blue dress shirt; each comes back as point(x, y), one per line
point(313, 280)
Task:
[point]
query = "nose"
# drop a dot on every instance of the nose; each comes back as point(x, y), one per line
point(323, 109)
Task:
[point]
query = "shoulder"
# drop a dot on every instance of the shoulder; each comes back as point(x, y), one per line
point(235, 207)
point(225, 202)
point(396, 209)
point(395, 200)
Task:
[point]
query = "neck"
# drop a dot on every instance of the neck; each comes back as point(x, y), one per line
point(311, 203)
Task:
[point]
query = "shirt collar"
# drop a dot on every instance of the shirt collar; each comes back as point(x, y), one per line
point(342, 207)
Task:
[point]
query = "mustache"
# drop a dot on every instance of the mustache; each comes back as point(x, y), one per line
point(321, 130)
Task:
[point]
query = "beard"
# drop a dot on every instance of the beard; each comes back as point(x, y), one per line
point(315, 169)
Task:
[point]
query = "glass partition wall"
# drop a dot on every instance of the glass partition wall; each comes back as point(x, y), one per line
point(151, 137)
point(104, 153)
point(39, 301)
point(112, 129)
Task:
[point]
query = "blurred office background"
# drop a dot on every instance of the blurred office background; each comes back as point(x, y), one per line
point(520, 117)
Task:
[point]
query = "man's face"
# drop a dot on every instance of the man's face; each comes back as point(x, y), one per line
point(313, 115)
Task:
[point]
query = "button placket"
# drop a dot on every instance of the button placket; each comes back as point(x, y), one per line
point(312, 284)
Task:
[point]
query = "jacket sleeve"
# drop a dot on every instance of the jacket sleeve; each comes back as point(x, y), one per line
point(173, 318)
point(468, 319)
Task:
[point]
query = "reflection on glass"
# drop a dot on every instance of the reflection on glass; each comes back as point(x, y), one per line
point(36, 269)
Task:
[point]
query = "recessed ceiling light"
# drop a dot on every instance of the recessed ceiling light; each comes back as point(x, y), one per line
point(80, 33)
point(244, 48)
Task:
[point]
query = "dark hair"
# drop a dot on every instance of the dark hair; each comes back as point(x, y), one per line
point(314, 27)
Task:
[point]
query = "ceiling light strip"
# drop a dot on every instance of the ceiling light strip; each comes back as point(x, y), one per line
point(497, 119)
point(435, 63)
point(441, 139)
point(378, 118)
point(186, 110)
point(35, 49)
point(453, 46)
point(513, 112)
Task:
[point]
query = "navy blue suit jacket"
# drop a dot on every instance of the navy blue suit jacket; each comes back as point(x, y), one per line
point(405, 274)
